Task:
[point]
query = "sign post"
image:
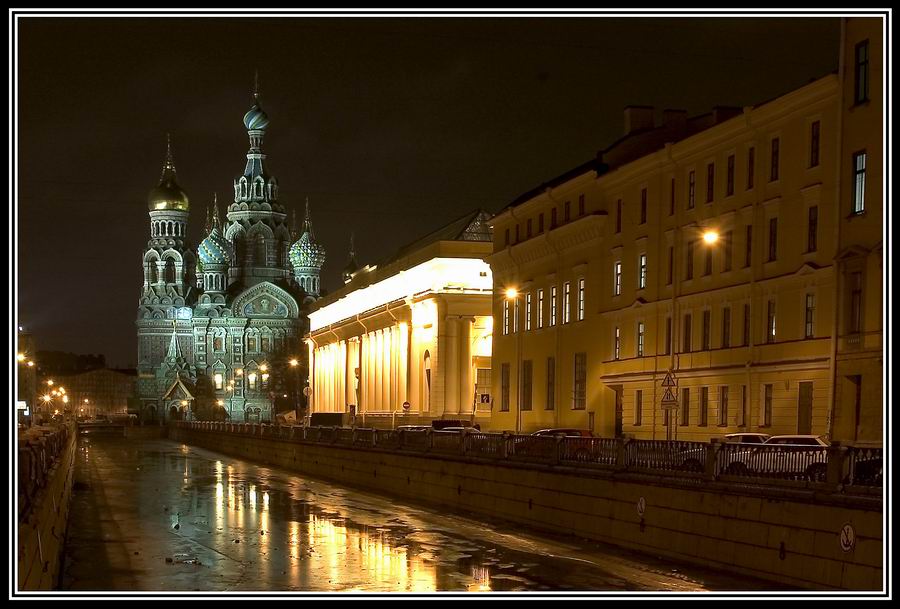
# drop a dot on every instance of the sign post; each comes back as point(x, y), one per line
point(669, 403)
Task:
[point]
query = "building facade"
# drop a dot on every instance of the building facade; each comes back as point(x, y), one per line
point(409, 340)
point(219, 327)
point(702, 248)
point(105, 391)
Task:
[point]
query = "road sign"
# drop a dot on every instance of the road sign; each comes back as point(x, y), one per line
point(307, 391)
point(847, 537)
point(669, 397)
point(669, 381)
point(641, 506)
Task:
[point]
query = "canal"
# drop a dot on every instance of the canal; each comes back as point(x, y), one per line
point(157, 515)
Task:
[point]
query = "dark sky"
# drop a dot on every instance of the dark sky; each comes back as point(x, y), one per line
point(392, 127)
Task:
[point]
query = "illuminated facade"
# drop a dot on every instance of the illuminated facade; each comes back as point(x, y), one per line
point(705, 247)
point(415, 330)
point(218, 326)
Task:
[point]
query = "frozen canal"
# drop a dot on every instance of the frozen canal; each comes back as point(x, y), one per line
point(159, 515)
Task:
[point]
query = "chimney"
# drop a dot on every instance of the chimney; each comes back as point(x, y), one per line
point(674, 118)
point(637, 118)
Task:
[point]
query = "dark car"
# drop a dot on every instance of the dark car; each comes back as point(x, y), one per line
point(567, 432)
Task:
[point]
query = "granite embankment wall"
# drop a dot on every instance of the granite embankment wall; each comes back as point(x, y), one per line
point(46, 465)
point(788, 535)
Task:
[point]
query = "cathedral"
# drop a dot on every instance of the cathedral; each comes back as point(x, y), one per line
point(220, 326)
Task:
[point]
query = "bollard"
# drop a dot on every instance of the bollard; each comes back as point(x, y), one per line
point(622, 453)
point(558, 453)
point(504, 446)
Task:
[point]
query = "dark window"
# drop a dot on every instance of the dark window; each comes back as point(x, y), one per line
point(528, 229)
point(689, 262)
point(504, 387)
point(643, 206)
point(773, 239)
point(638, 406)
point(692, 186)
point(861, 80)
point(553, 218)
point(859, 182)
point(706, 330)
point(767, 406)
point(723, 406)
point(729, 177)
point(707, 266)
point(506, 237)
point(748, 258)
point(727, 253)
point(668, 344)
point(855, 302)
point(580, 385)
point(812, 229)
point(580, 205)
point(517, 233)
point(540, 223)
point(567, 211)
point(773, 169)
point(671, 265)
point(726, 327)
point(710, 182)
point(704, 406)
point(742, 413)
point(746, 334)
point(551, 383)
point(526, 384)
point(619, 216)
point(810, 313)
point(686, 339)
point(685, 407)
point(672, 198)
point(814, 144)
point(251, 344)
point(751, 166)
point(770, 321)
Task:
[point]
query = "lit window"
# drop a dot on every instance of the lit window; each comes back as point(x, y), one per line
point(553, 306)
point(616, 343)
point(218, 379)
point(642, 274)
point(580, 299)
point(251, 379)
point(540, 309)
point(528, 311)
point(859, 182)
point(640, 339)
point(617, 277)
point(567, 301)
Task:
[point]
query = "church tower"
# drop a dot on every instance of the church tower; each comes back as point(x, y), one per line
point(256, 225)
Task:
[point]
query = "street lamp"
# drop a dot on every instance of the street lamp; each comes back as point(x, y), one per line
point(295, 364)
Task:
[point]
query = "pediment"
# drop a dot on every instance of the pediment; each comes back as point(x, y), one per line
point(267, 301)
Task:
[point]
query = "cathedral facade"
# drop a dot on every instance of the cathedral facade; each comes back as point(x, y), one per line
point(219, 326)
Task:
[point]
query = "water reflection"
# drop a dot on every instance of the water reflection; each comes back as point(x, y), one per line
point(244, 527)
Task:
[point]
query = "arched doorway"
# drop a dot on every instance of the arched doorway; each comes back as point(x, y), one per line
point(426, 389)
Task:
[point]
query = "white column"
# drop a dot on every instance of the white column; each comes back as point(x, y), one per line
point(466, 386)
point(403, 364)
point(451, 366)
point(364, 373)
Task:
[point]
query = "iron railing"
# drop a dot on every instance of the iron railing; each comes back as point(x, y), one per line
point(834, 466)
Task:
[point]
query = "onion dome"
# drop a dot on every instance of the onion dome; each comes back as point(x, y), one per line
point(168, 194)
point(215, 248)
point(255, 119)
point(306, 252)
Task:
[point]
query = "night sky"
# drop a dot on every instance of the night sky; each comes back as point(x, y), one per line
point(391, 127)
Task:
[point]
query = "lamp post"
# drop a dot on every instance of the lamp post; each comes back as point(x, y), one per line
point(709, 238)
point(295, 364)
point(512, 294)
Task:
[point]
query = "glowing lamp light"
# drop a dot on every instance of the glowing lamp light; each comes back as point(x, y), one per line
point(511, 293)
point(710, 237)
point(46, 398)
point(50, 382)
point(294, 362)
point(20, 357)
point(184, 402)
point(220, 402)
point(31, 363)
point(239, 372)
point(264, 368)
point(65, 399)
point(265, 377)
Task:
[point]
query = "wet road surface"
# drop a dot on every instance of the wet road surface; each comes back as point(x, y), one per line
point(158, 515)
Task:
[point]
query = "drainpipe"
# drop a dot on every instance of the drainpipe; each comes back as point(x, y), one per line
point(836, 266)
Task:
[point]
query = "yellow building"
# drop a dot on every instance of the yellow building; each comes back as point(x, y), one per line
point(414, 331)
point(702, 246)
point(858, 413)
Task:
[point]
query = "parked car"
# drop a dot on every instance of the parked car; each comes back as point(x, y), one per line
point(746, 438)
point(788, 456)
point(569, 433)
point(413, 427)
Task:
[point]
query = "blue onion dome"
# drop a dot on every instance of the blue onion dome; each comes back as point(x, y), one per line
point(168, 194)
point(215, 249)
point(306, 253)
point(256, 119)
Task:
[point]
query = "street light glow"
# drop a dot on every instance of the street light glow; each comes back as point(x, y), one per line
point(30, 363)
point(511, 293)
point(294, 362)
point(710, 236)
point(20, 357)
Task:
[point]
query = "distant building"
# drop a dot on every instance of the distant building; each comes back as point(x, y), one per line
point(409, 340)
point(26, 377)
point(219, 324)
point(105, 391)
point(54, 363)
point(740, 251)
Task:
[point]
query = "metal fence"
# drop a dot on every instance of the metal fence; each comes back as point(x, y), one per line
point(834, 467)
point(38, 451)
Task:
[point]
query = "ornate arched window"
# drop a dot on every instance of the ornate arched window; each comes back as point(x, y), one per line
point(169, 275)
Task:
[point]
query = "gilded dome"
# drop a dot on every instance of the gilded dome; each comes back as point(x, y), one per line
point(168, 194)
point(215, 249)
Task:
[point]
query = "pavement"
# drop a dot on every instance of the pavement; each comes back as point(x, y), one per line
point(158, 515)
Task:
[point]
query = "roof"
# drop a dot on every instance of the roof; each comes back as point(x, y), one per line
point(470, 227)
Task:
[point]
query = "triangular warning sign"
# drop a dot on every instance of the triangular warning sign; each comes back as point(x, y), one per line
point(669, 381)
point(669, 397)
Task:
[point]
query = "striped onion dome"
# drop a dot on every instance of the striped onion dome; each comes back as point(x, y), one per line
point(215, 249)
